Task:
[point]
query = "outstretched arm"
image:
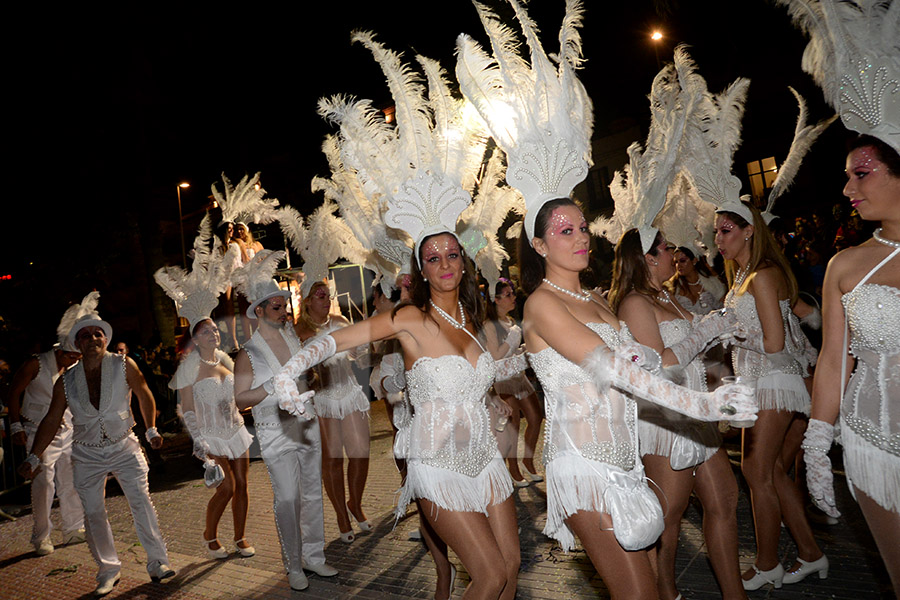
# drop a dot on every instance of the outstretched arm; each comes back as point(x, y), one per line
point(139, 386)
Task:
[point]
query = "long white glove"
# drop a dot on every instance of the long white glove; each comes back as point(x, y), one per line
point(510, 367)
point(201, 448)
point(819, 476)
point(300, 407)
point(779, 360)
point(733, 402)
point(514, 337)
point(285, 381)
point(393, 373)
point(704, 331)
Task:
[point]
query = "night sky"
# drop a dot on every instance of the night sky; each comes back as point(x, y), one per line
point(114, 107)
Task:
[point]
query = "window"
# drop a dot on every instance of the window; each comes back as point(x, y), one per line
point(762, 176)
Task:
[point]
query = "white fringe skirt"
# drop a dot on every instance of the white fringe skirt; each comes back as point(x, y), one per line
point(874, 471)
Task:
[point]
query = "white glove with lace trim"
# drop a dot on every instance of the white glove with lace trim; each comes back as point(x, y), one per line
point(285, 381)
point(819, 475)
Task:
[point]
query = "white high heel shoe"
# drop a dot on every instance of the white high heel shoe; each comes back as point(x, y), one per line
point(761, 578)
point(218, 553)
point(819, 566)
point(247, 551)
point(363, 525)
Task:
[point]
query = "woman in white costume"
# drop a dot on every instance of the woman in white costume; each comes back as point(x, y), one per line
point(861, 315)
point(205, 382)
point(343, 411)
point(772, 350)
point(695, 288)
point(680, 455)
point(502, 337)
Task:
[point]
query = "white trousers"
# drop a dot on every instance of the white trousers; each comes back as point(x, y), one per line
point(55, 476)
point(126, 462)
point(293, 456)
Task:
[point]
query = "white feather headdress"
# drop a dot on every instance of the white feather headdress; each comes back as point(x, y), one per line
point(639, 192)
point(255, 279)
point(245, 202)
point(196, 293)
point(424, 169)
point(686, 217)
point(854, 56)
point(538, 113)
point(804, 137)
point(79, 316)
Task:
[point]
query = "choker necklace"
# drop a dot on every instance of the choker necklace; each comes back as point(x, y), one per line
point(739, 278)
point(877, 235)
point(456, 324)
point(211, 363)
point(584, 296)
point(698, 282)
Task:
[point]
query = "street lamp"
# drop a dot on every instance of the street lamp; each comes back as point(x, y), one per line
point(178, 188)
point(656, 36)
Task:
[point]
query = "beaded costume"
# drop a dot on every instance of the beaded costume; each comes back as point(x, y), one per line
point(221, 425)
point(340, 393)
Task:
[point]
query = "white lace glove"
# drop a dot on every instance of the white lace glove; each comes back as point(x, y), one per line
point(201, 448)
point(734, 402)
point(514, 337)
point(508, 368)
point(704, 331)
point(316, 351)
point(779, 361)
point(819, 476)
point(299, 406)
point(361, 356)
point(393, 373)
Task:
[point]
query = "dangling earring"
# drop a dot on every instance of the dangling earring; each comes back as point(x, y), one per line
point(464, 271)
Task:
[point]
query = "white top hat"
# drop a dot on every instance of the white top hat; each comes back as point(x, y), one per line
point(254, 280)
point(79, 316)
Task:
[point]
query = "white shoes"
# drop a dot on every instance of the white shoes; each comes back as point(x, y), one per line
point(76, 536)
point(761, 578)
point(44, 547)
point(323, 570)
point(819, 566)
point(106, 585)
point(298, 580)
point(363, 525)
point(161, 571)
point(246, 551)
point(219, 553)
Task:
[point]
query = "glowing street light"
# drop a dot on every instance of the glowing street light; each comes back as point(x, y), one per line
point(656, 36)
point(178, 188)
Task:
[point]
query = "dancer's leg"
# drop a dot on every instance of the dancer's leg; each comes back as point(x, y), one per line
point(240, 501)
point(533, 409)
point(511, 438)
point(333, 470)
point(502, 519)
point(885, 526)
point(218, 502)
point(438, 550)
point(355, 431)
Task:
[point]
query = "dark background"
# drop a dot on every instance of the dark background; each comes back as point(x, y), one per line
point(113, 107)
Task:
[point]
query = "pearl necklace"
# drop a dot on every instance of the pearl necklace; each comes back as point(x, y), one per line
point(456, 324)
point(212, 363)
point(668, 300)
point(584, 296)
point(877, 235)
point(698, 282)
point(739, 278)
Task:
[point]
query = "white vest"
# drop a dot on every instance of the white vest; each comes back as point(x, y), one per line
point(38, 393)
point(265, 365)
point(113, 421)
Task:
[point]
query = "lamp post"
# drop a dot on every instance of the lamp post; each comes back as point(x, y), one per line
point(178, 188)
point(656, 36)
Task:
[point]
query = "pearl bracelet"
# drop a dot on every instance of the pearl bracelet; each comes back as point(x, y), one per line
point(815, 448)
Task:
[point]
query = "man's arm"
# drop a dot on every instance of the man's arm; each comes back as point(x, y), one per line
point(46, 431)
point(24, 376)
point(139, 386)
point(244, 396)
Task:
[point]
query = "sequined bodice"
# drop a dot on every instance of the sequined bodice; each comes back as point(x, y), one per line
point(580, 419)
point(214, 405)
point(451, 427)
point(749, 362)
point(871, 404)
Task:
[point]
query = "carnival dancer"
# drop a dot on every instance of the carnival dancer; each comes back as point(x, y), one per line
point(29, 399)
point(205, 383)
point(290, 445)
point(343, 411)
point(595, 484)
point(850, 52)
point(96, 392)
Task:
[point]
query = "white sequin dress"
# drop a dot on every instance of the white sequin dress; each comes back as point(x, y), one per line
point(659, 427)
point(339, 393)
point(586, 436)
point(221, 425)
point(776, 389)
point(870, 411)
point(452, 456)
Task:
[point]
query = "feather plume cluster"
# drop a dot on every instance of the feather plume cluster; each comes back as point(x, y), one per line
point(88, 306)
point(854, 56)
point(196, 292)
point(254, 279)
point(245, 202)
point(639, 191)
point(536, 110)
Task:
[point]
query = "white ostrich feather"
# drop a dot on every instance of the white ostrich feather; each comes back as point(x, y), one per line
point(75, 312)
point(257, 274)
point(245, 201)
point(804, 137)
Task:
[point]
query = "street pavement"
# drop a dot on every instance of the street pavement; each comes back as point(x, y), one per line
point(385, 563)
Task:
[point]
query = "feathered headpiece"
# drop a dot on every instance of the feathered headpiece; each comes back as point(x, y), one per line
point(538, 113)
point(639, 192)
point(424, 169)
point(245, 202)
point(854, 56)
point(712, 136)
point(79, 316)
point(196, 293)
point(255, 279)
point(686, 217)
point(804, 137)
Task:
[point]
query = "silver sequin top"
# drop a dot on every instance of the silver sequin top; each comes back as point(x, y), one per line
point(749, 362)
point(214, 405)
point(871, 406)
point(450, 427)
point(580, 419)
